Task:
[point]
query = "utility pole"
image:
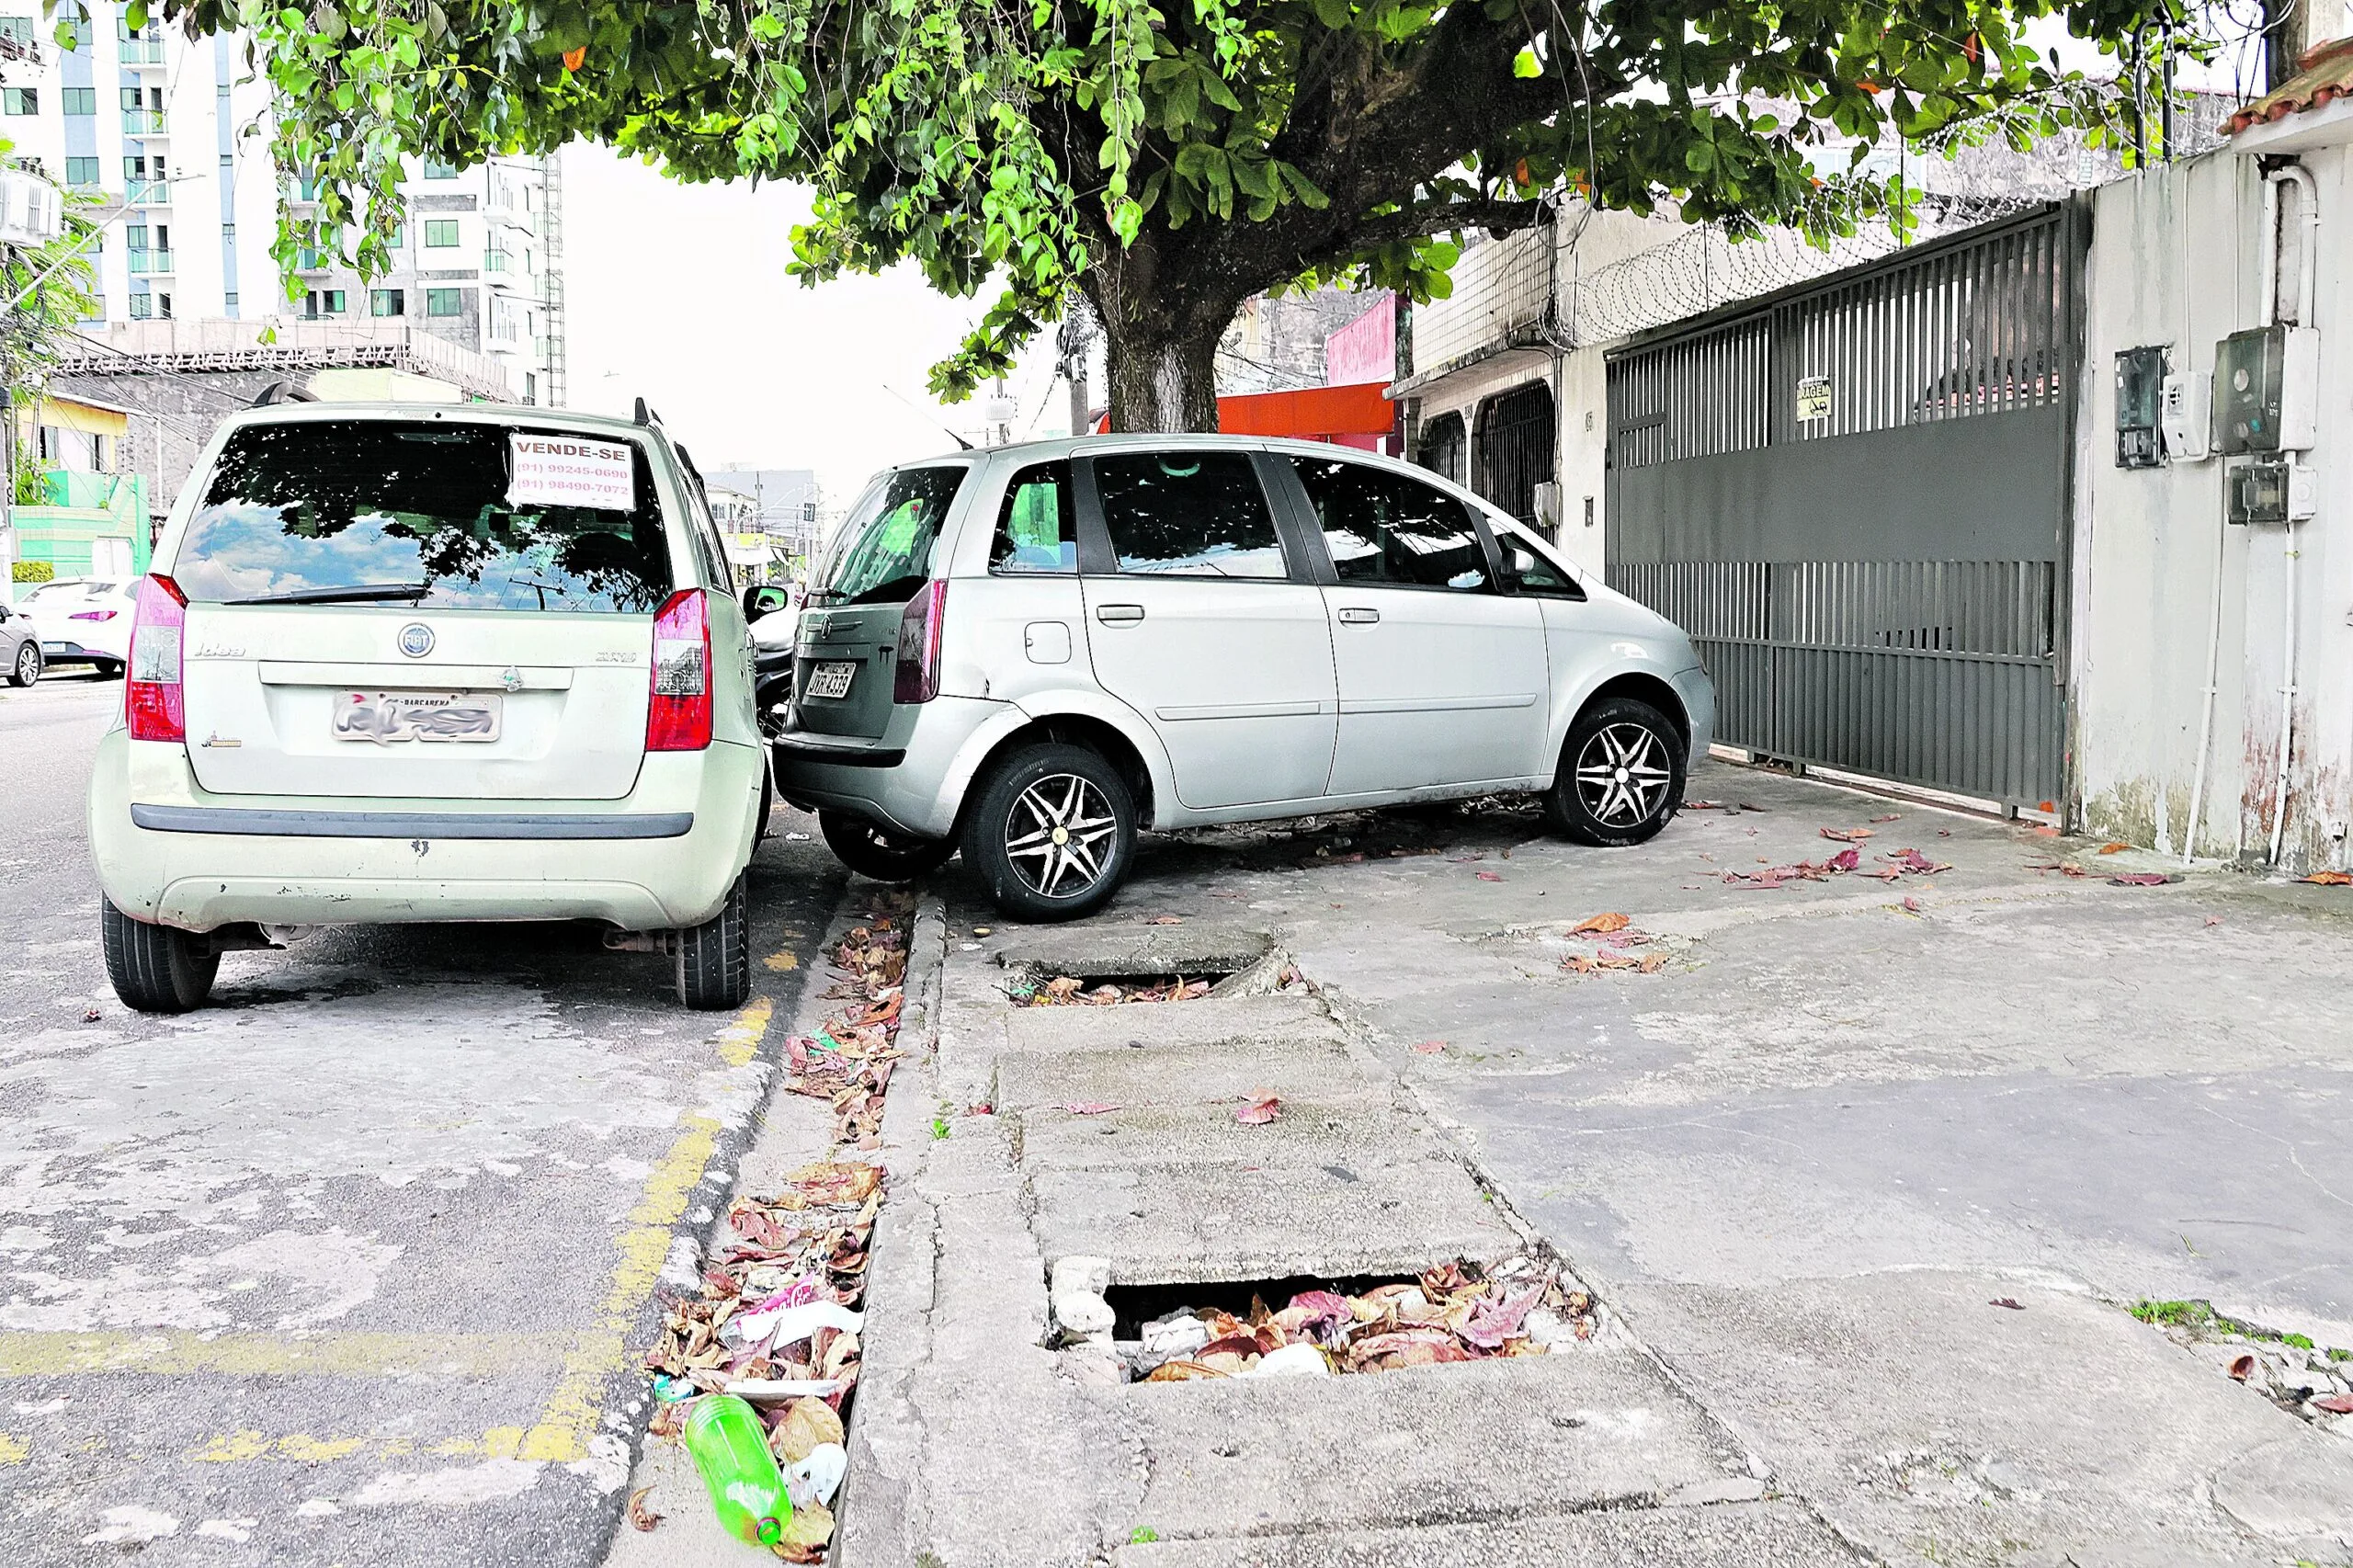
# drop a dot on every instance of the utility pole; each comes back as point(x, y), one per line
point(2287, 25)
point(1073, 342)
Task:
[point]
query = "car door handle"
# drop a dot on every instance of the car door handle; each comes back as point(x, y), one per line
point(1119, 615)
point(1359, 617)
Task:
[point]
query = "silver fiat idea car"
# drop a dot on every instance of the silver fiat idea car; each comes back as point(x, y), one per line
point(401, 663)
point(1033, 652)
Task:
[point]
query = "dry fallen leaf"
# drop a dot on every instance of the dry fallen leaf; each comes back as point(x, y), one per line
point(2213, 920)
point(1913, 904)
point(2242, 1368)
point(640, 1516)
point(1089, 1107)
point(1890, 816)
point(2005, 1301)
point(1260, 1110)
point(2114, 848)
point(808, 1425)
point(2335, 1403)
point(1652, 963)
point(1430, 1047)
point(2140, 879)
point(1846, 835)
point(1600, 924)
point(2330, 878)
point(1488, 876)
point(1166, 920)
point(91, 1016)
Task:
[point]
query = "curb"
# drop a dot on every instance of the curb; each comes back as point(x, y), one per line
point(875, 1516)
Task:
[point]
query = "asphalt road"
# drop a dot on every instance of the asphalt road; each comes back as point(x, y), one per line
point(353, 1265)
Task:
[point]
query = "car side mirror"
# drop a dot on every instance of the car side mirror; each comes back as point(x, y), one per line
point(764, 599)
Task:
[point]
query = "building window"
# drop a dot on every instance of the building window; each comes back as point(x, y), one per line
point(81, 100)
point(74, 33)
point(163, 307)
point(439, 171)
point(322, 302)
point(17, 29)
point(531, 387)
point(398, 237)
point(229, 304)
point(20, 100)
point(82, 171)
point(444, 301)
point(440, 232)
point(387, 302)
point(142, 306)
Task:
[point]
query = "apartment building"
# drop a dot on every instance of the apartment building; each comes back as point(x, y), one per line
point(172, 134)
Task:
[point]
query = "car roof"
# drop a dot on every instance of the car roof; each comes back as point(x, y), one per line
point(464, 413)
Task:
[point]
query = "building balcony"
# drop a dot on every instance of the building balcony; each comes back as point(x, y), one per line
point(151, 263)
point(148, 192)
point(140, 51)
point(143, 122)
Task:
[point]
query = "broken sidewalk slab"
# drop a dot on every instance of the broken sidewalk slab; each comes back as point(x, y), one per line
point(1240, 1022)
point(1762, 1535)
point(1905, 1405)
point(1195, 951)
point(1299, 1070)
point(1423, 1445)
point(1189, 1223)
point(1314, 1133)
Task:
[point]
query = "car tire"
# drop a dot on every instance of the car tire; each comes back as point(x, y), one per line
point(27, 669)
point(156, 969)
point(1620, 778)
point(1023, 802)
point(879, 853)
point(715, 957)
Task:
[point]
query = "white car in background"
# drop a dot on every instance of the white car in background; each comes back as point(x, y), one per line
point(83, 621)
point(399, 663)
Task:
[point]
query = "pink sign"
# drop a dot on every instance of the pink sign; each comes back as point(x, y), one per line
point(1365, 350)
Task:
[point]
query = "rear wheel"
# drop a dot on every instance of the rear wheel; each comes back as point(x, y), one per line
point(1051, 833)
point(715, 957)
point(27, 669)
point(1620, 777)
point(880, 852)
point(156, 969)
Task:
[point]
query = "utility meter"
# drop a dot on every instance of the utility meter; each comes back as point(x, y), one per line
point(2276, 491)
point(2140, 380)
point(2266, 386)
point(2186, 415)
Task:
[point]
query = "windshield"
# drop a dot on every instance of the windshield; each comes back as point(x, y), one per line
point(882, 553)
point(433, 514)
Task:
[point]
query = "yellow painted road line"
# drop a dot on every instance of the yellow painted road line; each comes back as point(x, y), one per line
point(590, 1357)
point(178, 1352)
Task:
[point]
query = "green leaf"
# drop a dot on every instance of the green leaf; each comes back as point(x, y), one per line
point(1525, 64)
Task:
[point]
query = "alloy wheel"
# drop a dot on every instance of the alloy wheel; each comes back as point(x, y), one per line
point(28, 664)
point(1622, 775)
point(1057, 836)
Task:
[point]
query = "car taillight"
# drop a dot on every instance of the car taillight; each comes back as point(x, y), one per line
point(151, 697)
point(916, 678)
point(678, 717)
point(91, 615)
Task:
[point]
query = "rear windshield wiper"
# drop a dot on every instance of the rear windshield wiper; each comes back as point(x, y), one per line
point(359, 594)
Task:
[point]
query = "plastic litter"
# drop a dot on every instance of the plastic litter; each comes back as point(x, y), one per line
point(763, 1390)
point(818, 1477)
point(790, 1325)
point(730, 1451)
point(1291, 1361)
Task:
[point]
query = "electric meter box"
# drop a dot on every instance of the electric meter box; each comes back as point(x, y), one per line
point(2274, 492)
point(2266, 390)
point(2185, 415)
point(2139, 380)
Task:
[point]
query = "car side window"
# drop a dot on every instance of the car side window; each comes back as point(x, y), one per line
point(1533, 573)
point(1188, 515)
point(1036, 529)
point(1384, 527)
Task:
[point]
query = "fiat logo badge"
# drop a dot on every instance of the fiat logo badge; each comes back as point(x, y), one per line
point(417, 640)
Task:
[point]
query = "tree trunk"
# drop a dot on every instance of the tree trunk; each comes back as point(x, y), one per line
point(1160, 330)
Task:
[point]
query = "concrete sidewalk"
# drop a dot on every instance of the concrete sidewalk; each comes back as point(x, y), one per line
point(1865, 1174)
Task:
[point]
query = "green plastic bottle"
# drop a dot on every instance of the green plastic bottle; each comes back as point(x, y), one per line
point(731, 1450)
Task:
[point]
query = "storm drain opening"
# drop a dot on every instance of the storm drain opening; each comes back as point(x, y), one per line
point(1151, 969)
point(1315, 1325)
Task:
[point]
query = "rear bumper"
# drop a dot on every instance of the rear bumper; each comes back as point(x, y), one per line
point(183, 857)
point(912, 779)
point(65, 651)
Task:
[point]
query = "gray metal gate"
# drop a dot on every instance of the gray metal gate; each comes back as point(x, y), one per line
point(1853, 495)
point(1516, 435)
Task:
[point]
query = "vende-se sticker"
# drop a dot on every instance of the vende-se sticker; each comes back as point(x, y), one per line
point(571, 471)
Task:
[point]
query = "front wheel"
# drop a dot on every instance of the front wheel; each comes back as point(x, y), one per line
point(27, 669)
point(1620, 777)
point(715, 957)
point(1051, 833)
point(879, 852)
point(156, 969)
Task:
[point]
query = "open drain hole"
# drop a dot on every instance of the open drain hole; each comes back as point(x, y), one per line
point(1309, 1325)
point(1109, 990)
point(1107, 975)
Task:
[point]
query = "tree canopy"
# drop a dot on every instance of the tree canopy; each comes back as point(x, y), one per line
point(1167, 158)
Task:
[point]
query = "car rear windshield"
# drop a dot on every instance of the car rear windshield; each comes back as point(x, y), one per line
point(882, 553)
point(429, 513)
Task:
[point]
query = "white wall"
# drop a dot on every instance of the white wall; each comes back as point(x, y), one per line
point(2173, 261)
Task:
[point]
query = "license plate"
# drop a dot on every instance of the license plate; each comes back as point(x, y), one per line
point(387, 717)
point(831, 680)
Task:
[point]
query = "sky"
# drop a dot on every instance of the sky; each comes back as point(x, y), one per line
point(679, 294)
